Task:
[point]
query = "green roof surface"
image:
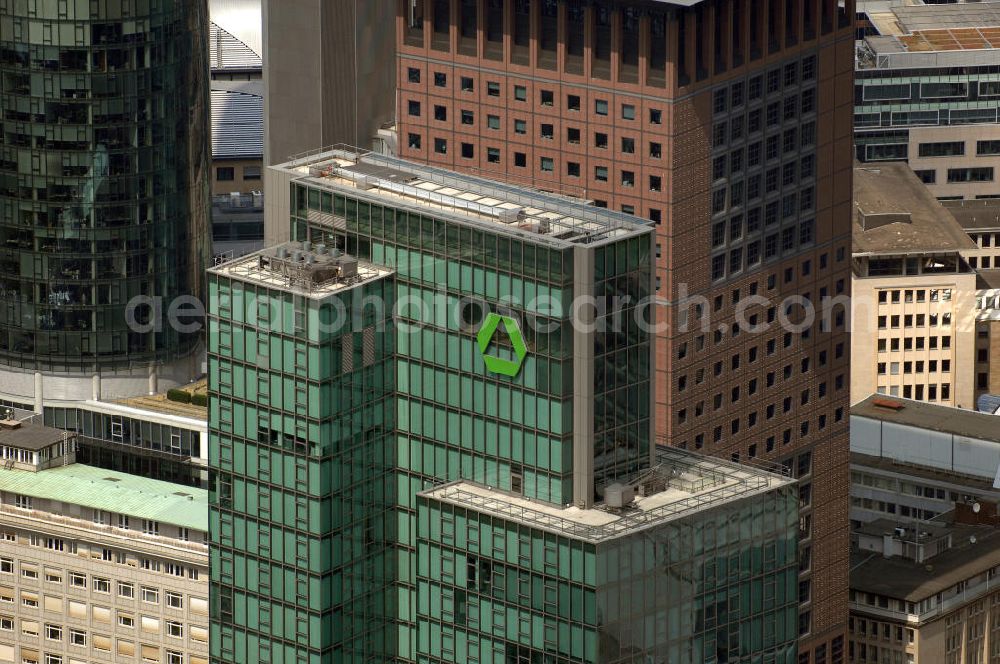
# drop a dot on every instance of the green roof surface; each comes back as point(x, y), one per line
point(112, 491)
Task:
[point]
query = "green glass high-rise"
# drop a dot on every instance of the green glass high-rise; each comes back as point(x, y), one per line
point(103, 186)
point(496, 461)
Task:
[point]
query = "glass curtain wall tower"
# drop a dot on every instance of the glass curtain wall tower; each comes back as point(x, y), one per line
point(103, 190)
point(517, 414)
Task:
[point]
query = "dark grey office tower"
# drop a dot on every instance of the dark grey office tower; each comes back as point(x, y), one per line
point(103, 192)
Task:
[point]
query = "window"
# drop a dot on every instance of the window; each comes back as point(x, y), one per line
point(943, 149)
point(440, 79)
point(573, 135)
point(251, 172)
point(126, 589)
point(980, 174)
point(547, 132)
point(547, 164)
point(468, 152)
point(991, 147)
point(413, 108)
point(174, 657)
point(53, 632)
point(547, 98)
point(413, 141)
point(927, 176)
point(573, 102)
point(101, 585)
point(655, 150)
point(78, 580)
point(628, 179)
point(175, 629)
point(655, 116)
point(628, 145)
point(601, 173)
point(520, 159)
point(440, 146)
point(492, 88)
point(628, 112)
point(600, 140)
point(520, 127)
point(440, 113)
point(493, 155)
point(467, 84)
point(413, 75)
point(24, 502)
point(601, 107)
point(655, 183)
point(493, 121)
point(150, 595)
point(174, 600)
point(520, 93)
point(468, 117)
point(126, 621)
point(573, 169)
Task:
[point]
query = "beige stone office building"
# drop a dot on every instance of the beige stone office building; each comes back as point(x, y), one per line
point(96, 565)
point(914, 305)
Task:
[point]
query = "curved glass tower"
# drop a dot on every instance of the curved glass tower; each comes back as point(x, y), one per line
point(103, 180)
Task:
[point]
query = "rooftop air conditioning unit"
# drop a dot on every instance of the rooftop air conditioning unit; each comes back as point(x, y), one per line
point(510, 215)
point(618, 495)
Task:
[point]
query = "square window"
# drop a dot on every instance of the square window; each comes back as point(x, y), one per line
point(413, 75)
point(468, 117)
point(520, 159)
point(493, 88)
point(547, 164)
point(440, 79)
point(520, 93)
point(467, 84)
point(628, 145)
point(468, 152)
point(600, 140)
point(601, 173)
point(601, 107)
point(573, 169)
point(547, 98)
point(413, 108)
point(493, 121)
point(441, 113)
point(520, 127)
point(573, 135)
point(573, 102)
point(413, 141)
point(225, 174)
point(628, 179)
point(493, 155)
point(628, 112)
point(440, 146)
point(655, 150)
point(547, 132)
point(655, 116)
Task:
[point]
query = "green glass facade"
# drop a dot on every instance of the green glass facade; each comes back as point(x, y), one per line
point(719, 586)
point(566, 416)
point(302, 456)
point(103, 177)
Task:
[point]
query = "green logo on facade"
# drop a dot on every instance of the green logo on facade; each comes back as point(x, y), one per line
point(499, 365)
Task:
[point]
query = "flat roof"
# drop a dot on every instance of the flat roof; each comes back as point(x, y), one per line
point(912, 581)
point(495, 206)
point(32, 437)
point(694, 483)
point(300, 267)
point(976, 214)
point(944, 419)
point(159, 403)
point(113, 491)
point(891, 189)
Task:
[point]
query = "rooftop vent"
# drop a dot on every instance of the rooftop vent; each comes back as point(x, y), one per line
point(617, 496)
point(889, 404)
point(510, 215)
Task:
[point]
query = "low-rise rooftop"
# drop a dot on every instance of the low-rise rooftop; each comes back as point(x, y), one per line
point(974, 549)
point(160, 403)
point(31, 437)
point(112, 491)
point(896, 214)
point(682, 484)
point(314, 271)
point(981, 214)
point(496, 206)
point(967, 423)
